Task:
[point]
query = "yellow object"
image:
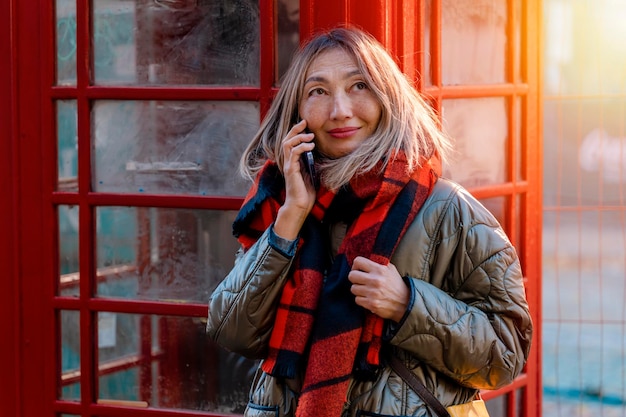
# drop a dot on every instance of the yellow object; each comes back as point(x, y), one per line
point(474, 408)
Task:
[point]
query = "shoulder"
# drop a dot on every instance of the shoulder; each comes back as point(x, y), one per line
point(458, 222)
point(451, 223)
point(451, 206)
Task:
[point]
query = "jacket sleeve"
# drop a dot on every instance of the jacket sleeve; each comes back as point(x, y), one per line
point(242, 307)
point(468, 317)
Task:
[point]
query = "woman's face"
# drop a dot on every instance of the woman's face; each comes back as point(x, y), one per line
point(338, 105)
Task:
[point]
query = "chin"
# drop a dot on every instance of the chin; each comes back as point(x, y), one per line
point(337, 153)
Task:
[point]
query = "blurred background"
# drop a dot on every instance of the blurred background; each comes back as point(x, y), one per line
point(584, 230)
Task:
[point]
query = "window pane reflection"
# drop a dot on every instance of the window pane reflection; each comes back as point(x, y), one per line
point(473, 41)
point(172, 147)
point(168, 362)
point(209, 42)
point(70, 355)
point(66, 42)
point(163, 254)
point(68, 251)
point(67, 141)
point(479, 128)
point(288, 33)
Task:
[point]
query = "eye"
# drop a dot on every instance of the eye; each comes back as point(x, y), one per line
point(317, 92)
point(360, 86)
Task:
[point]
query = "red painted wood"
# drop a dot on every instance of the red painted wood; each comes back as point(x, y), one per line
point(10, 352)
point(33, 238)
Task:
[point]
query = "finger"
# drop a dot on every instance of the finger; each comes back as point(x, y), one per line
point(357, 277)
point(361, 263)
point(362, 302)
point(298, 129)
point(300, 143)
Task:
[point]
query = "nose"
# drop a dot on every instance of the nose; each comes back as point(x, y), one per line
point(342, 107)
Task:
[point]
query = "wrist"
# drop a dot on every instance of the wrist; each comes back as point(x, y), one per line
point(289, 222)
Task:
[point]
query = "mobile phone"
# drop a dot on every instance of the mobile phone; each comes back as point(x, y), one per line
point(309, 164)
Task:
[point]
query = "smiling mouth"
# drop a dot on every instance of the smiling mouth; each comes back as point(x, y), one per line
point(343, 132)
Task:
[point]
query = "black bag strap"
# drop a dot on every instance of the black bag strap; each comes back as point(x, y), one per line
point(409, 377)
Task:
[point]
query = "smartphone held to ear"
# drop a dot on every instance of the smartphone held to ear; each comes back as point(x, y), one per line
point(309, 164)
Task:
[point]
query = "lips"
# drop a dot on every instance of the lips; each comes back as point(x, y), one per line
point(343, 132)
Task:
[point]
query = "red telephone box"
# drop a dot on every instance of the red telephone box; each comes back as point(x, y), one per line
point(126, 119)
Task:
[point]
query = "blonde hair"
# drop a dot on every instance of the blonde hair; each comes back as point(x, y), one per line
point(407, 123)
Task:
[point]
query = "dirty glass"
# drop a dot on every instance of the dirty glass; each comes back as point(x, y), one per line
point(67, 141)
point(171, 147)
point(68, 251)
point(65, 42)
point(70, 355)
point(163, 254)
point(168, 362)
point(287, 34)
point(207, 42)
point(473, 41)
point(479, 129)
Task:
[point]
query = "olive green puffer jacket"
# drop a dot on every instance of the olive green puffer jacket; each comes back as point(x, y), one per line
point(467, 326)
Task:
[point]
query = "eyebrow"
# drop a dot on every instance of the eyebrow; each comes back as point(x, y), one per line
point(322, 79)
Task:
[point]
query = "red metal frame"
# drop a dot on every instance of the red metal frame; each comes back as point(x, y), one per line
point(28, 175)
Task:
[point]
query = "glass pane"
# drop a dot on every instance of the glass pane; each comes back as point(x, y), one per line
point(520, 401)
point(70, 355)
point(519, 222)
point(288, 33)
point(114, 54)
point(68, 145)
point(520, 73)
point(426, 47)
point(163, 254)
point(473, 41)
point(172, 147)
point(497, 207)
point(480, 129)
point(497, 406)
point(66, 42)
point(176, 42)
point(520, 131)
point(68, 251)
point(168, 362)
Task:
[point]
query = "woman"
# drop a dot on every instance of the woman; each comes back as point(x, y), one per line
point(385, 259)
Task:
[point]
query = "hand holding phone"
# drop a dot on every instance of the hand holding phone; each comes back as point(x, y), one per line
point(309, 164)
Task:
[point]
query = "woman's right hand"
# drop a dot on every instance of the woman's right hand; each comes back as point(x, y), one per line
point(300, 193)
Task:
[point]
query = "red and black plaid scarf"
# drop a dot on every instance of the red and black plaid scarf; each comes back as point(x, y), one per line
point(317, 314)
